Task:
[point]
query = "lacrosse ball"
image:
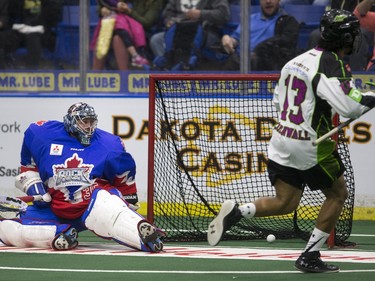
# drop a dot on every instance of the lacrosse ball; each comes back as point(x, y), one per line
point(271, 238)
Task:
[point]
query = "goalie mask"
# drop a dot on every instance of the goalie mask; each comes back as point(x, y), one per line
point(81, 121)
point(340, 29)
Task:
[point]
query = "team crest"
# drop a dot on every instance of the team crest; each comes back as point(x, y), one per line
point(73, 172)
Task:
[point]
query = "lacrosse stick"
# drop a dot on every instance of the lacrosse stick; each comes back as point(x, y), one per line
point(336, 129)
point(13, 207)
point(342, 125)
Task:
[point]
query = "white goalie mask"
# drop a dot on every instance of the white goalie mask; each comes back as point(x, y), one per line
point(81, 121)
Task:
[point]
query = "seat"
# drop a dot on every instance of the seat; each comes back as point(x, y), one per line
point(67, 45)
point(309, 18)
point(307, 14)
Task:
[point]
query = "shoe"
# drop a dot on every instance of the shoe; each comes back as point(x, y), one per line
point(229, 215)
point(150, 236)
point(311, 262)
point(65, 240)
point(139, 61)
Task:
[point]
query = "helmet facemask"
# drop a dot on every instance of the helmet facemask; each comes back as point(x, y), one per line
point(81, 121)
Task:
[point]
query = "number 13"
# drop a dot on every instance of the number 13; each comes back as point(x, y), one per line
point(298, 88)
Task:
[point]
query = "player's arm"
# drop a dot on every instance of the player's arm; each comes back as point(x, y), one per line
point(344, 97)
point(124, 179)
point(120, 170)
point(30, 183)
point(29, 180)
point(334, 83)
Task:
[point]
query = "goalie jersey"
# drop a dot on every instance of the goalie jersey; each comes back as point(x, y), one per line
point(311, 89)
point(72, 171)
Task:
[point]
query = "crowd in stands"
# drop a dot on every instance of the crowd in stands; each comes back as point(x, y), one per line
point(171, 35)
point(27, 24)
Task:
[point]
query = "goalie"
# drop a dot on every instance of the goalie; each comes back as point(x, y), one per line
point(87, 181)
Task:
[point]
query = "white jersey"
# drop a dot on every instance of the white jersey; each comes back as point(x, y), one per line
point(312, 87)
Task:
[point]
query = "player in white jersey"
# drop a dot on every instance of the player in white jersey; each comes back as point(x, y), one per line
point(87, 180)
point(311, 89)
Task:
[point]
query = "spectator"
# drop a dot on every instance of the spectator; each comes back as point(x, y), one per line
point(273, 38)
point(33, 23)
point(359, 60)
point(189, 28)
point(147, 12)
point(347, 5)
point(126, 36)
point(7, 36)
point(367, 20)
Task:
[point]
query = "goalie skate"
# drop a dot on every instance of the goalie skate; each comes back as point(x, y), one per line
point(150, 236)
point(66, 241)
point(229, 214)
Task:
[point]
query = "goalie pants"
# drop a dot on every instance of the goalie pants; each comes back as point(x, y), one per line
point(107, 216)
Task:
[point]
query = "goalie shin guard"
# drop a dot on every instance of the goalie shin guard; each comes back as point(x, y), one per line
point(110, 217)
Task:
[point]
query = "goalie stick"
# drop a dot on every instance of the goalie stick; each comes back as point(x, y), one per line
point(12, 207)
point(29, 198)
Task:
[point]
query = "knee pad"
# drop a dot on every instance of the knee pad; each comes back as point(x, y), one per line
point(109, 216)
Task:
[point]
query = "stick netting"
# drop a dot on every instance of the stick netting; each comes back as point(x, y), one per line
point(210, 138)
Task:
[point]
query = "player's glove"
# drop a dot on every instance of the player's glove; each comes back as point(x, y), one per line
point(30, 183)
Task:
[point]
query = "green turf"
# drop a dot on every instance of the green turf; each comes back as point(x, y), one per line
point(33, 266)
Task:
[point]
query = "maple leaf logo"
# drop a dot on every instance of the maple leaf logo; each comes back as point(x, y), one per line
point(72, 173)
point(40, 123)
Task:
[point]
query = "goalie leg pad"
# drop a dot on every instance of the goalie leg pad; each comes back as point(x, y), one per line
point(109, 216)
point(13, 233)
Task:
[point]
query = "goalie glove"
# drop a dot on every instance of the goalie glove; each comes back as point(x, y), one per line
point(132, 200)
point(30, 183)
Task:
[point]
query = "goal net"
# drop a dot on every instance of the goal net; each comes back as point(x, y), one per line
point(208, 138)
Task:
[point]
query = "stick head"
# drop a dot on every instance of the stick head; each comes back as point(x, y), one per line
point(11, 207)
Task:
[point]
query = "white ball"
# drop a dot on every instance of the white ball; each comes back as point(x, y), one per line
point(271, 238)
